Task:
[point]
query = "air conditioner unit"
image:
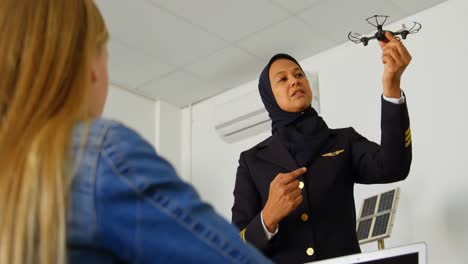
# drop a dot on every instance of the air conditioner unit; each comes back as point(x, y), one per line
point(245, 116)
point(242, 117)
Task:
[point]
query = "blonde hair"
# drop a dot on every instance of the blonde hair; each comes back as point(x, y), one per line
point(47, 48)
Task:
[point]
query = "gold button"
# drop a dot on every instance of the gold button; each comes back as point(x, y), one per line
point(310, 251)
point(304, 217)
point(301, 185)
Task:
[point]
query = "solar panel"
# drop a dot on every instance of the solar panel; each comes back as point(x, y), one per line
point(369, 206)
point(386, 201)
point(363, 229)
point(381, 225)
point(377, 224)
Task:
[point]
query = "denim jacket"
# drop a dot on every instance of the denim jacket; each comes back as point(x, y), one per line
point(127, 205)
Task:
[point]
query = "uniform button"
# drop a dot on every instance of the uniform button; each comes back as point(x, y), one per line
point(304, 217)
point(301, 185)
point(310, 251)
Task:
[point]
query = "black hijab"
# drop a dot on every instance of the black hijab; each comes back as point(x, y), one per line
point(302, 133)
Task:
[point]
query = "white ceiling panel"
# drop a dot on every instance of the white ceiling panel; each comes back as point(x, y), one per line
point(184, 51)
point(179, 88)
point(232, 20)
point(142, 25)
point(414, 6)
point(296, 5)
point(338, 17)
point(291, 36)
point(228, 67)
point(130, 68)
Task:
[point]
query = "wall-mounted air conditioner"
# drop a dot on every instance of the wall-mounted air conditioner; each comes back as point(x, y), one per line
point(245, 116)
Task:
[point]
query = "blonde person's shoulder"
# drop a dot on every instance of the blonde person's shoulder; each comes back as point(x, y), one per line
point(100, 132)
point(92, 133)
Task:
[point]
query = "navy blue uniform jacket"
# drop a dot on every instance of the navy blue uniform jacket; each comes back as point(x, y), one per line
point(328, 228)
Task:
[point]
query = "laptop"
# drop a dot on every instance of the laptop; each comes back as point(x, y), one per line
point(409, 254)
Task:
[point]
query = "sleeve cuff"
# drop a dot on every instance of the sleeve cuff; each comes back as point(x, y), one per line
point(400, 100)
point(267, 233)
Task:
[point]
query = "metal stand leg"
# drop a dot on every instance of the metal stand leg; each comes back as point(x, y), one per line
point(381, 244)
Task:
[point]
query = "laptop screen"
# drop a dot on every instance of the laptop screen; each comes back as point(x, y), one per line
point(412, 258)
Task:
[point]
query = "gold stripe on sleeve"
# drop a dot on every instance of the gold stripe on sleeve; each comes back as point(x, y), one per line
point(408, 131)
point(242, 234)
point(408, 143)
point(408, 137)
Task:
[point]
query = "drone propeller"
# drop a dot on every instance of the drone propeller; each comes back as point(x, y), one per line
point(404, 31)
point(380, 20)
point(359, 38)
point(355, 37)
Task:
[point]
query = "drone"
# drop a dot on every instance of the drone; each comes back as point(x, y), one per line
point(378, 21)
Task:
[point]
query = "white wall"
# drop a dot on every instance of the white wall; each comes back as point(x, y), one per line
point(186, 144)
point(168, 132)
point(433, 205)
point(157, 121)
point(133, 110)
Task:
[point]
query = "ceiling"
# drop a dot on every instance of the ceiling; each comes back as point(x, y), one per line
point(184, 51)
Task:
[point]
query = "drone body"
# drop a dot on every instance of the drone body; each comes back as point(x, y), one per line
point(380, 34)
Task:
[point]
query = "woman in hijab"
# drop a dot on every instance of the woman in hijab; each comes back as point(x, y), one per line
point(294, 191)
